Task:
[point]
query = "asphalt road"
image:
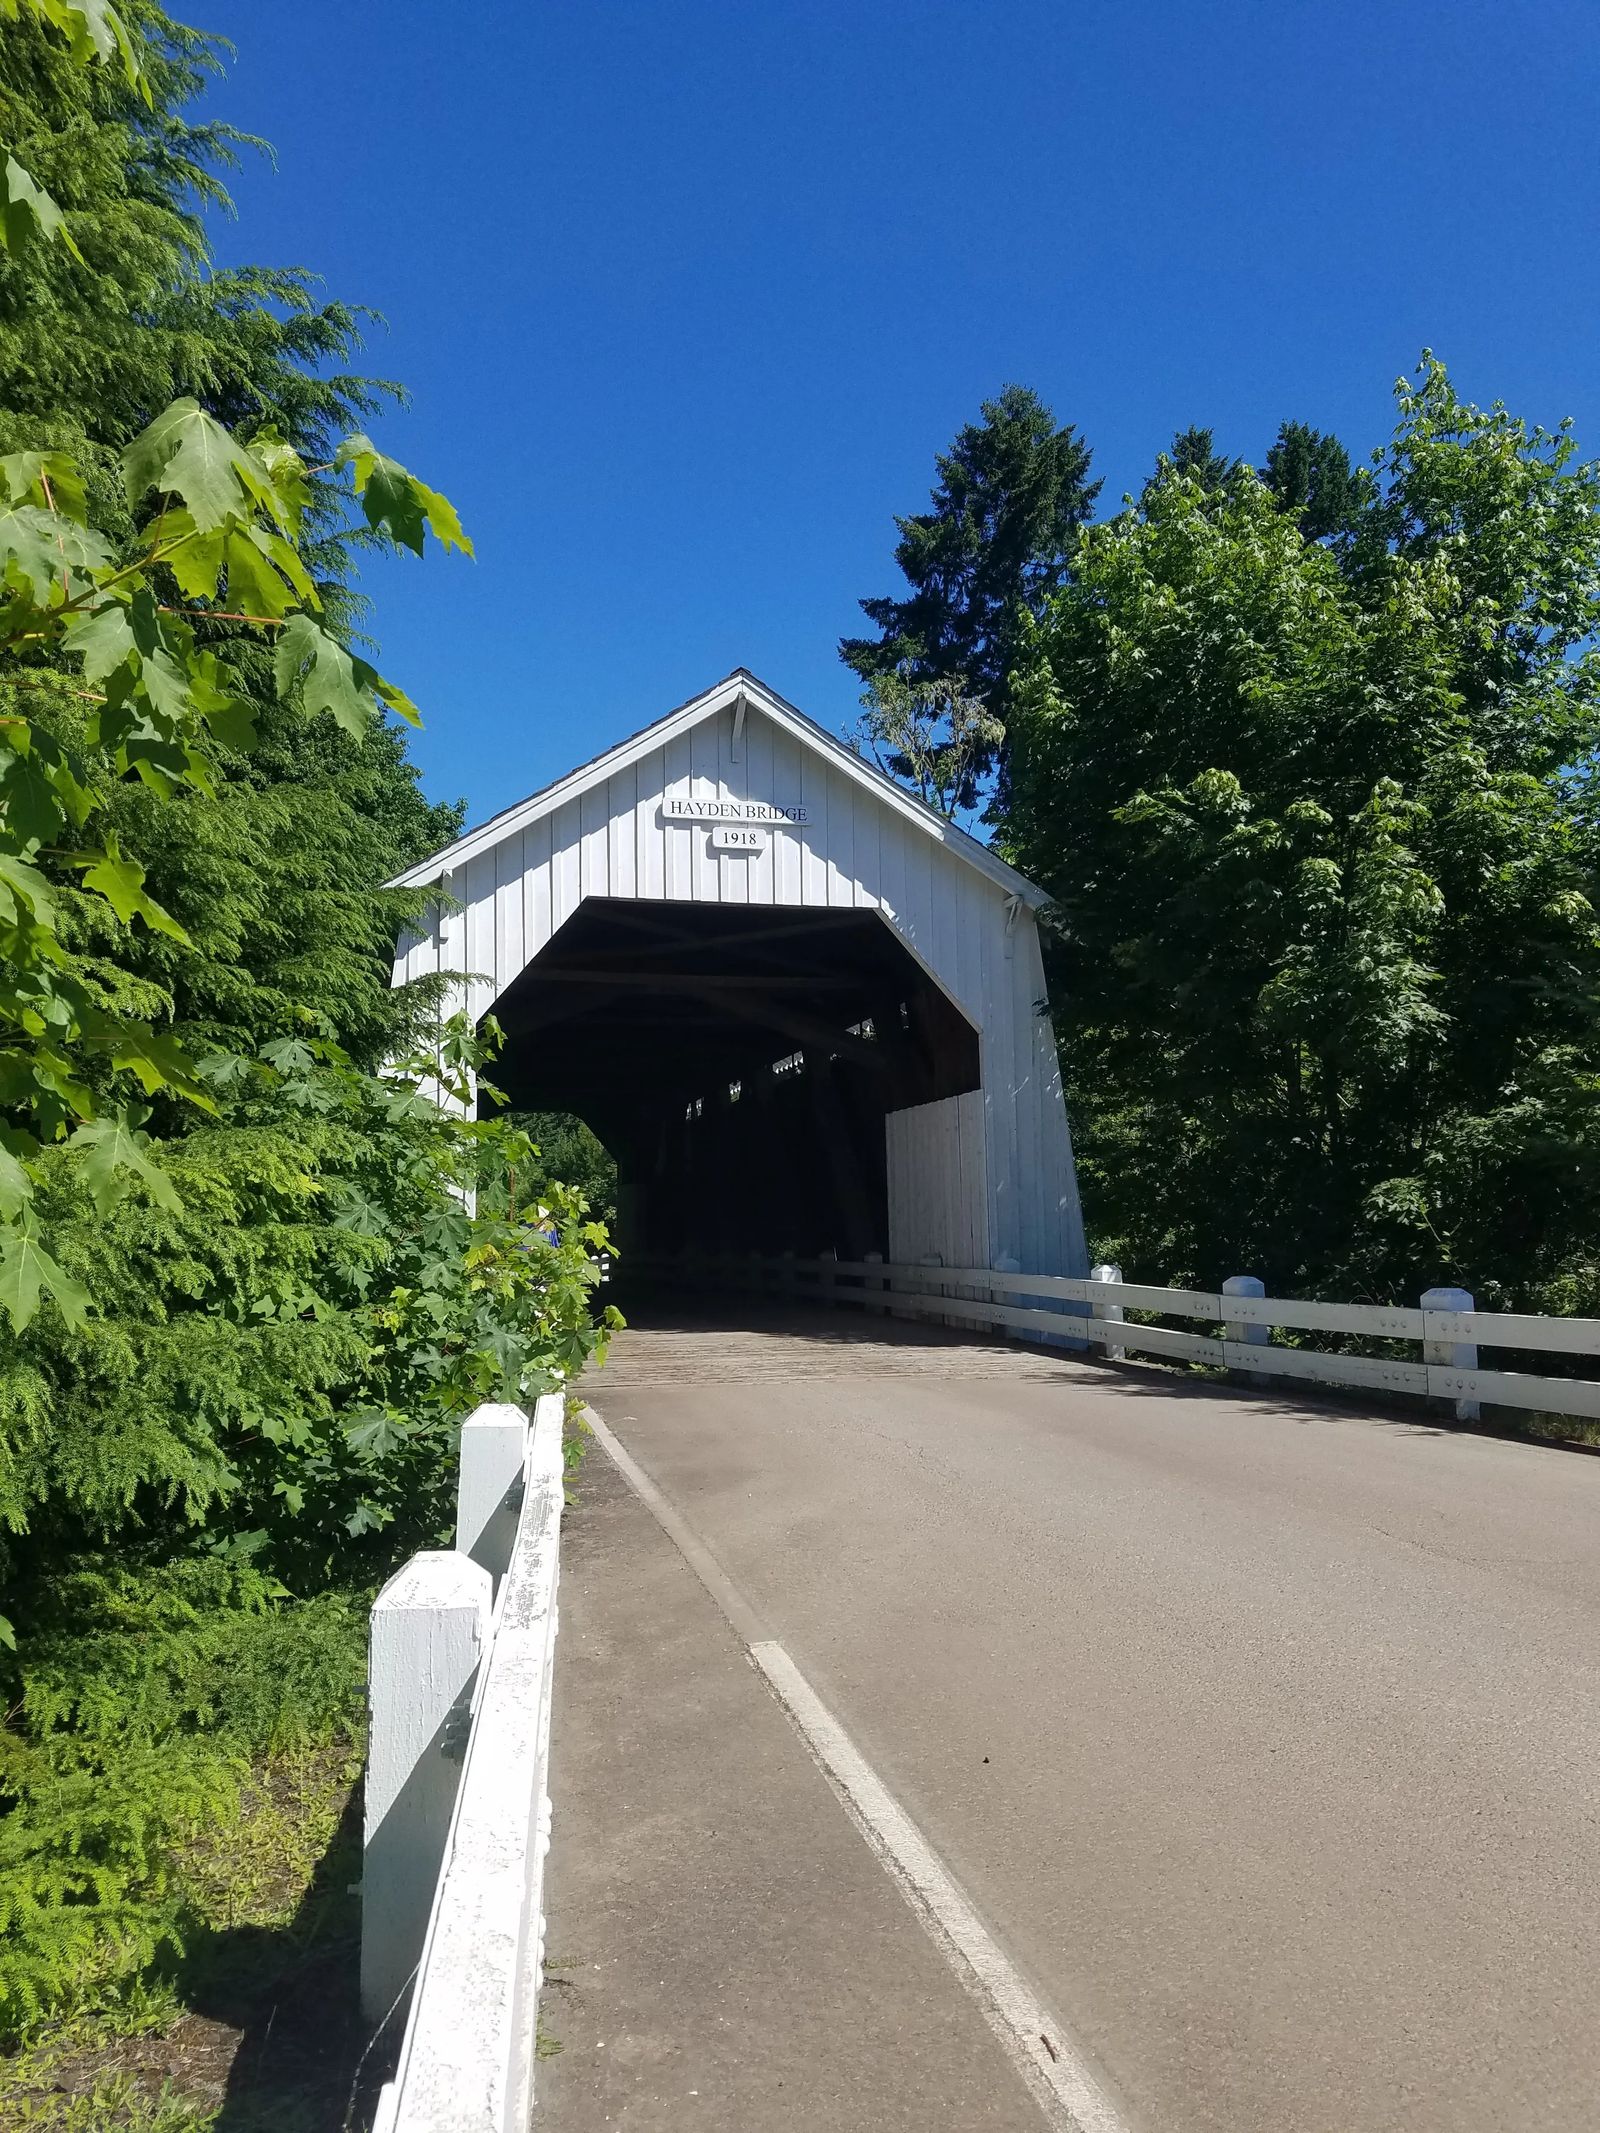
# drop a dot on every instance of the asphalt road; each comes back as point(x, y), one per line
point(1265, 1737)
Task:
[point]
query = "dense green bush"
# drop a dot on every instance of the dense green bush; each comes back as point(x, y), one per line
point(569, 1151)
point(202, 1483)
point(145, 1698)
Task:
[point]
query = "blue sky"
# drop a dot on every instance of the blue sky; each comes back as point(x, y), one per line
point(687, 294)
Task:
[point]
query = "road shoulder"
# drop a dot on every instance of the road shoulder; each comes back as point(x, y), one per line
point(723, 1950)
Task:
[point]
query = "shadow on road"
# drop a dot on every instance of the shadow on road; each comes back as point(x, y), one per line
point(737, 1335)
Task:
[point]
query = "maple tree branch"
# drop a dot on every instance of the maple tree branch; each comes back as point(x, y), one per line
point(50, 499)
point(40, 681)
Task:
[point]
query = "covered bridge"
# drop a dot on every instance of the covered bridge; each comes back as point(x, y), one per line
point(803, 1011)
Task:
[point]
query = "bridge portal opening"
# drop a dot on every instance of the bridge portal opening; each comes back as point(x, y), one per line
point(739, 1062)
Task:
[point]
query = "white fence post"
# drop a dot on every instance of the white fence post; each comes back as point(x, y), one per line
point(494, 1450)
point(876, 1259)
point(1004, 1265)
point(1238, 1329)
point(1112, 1313)
point(429, 1627)
point(935, 1288)
point(1452, 1354)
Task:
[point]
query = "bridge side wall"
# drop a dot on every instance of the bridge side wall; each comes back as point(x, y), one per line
point(855, 851)
point(938, 1182)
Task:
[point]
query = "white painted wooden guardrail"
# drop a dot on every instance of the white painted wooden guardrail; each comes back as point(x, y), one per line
point(1445, 1323)
point(458, 1811)
point(1109, 1277)
point(429, 1628)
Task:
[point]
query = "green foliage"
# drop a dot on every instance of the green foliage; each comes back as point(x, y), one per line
point(1320, 824)
point(1194, 457)
point(1309, 473)
point(138, 592)
point(570, 1154)
point(28, 210)
point(281, 1272)
point(576, 1436)
point(1011, 494)
point(92, 30)
point(143, 1699)
point(161, 701)
point(86, 1874)
point(120, 2100)
point(271, 1919)
point(282, 1350)
point(199, 1482)
point(931, 735)
point(102, 339)
point(121, 591)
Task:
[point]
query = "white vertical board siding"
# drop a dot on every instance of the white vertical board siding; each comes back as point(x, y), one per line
point(788, 844)
point(867, 848)
point(566, 863)
point(510, 865)
point(938, 1189)
point(814, 777)
point(916, 916)
point(677, 768)
point(839, 844)
point(892, 834)
point(705, 783)
point(594, 844)
point(622, 849)
point(760, 771)
point(453, 924)
point(1027, 1154)
point(650, 838)
point(537, 924)
point(857, 850)
point(1060, 1239)
point(478, 892)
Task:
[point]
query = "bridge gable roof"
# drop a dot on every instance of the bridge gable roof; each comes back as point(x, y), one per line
point(757, 698)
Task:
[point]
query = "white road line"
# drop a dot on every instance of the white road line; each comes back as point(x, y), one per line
point(1054, 2069)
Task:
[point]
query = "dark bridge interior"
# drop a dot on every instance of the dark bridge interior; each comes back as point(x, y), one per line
point(739, 1063)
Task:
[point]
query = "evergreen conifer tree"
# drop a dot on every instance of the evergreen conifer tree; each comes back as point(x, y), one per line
point(278, 881)
point(1194, 455)
point(1012, 492)
point(1308, 472)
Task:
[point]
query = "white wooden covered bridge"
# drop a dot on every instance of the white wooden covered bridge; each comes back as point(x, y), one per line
point(803, 1011)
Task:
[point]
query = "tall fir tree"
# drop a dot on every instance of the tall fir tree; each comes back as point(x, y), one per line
point(1308, 473)
point(102, 342)
point(1011, 494)
point(1194, 455)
